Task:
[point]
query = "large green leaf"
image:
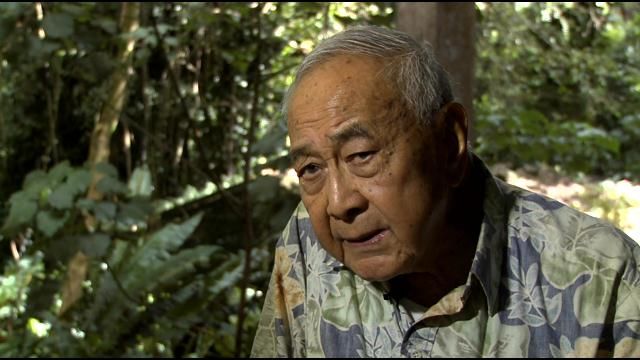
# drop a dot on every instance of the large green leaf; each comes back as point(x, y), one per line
point(158, 245)
point(62, 197)
point(176, 267)
point(33, 178)
point(110, 185)
point(79, 180)
point(76, 183)
point(140, 182)
point(105, 210)
point(95, 245)
point(134, 213)
point(60, 171)
point(86, 204)
point(119, 253)
point(107, 169)
point(107, 291)
point(21, 212)
point(35, 183)
point(49, 223)
point(225, 276)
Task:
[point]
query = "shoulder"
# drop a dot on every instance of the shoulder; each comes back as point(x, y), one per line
point(536, 217)
point(565, 251)
point(566, 243)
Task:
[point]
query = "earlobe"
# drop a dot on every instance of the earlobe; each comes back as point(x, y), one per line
point(456, 130)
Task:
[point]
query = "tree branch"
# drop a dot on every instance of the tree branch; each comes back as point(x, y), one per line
point(99, 148)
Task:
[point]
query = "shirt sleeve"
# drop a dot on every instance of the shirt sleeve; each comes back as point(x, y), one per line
point(280, 332)
point(626, 331)
point(271, 338)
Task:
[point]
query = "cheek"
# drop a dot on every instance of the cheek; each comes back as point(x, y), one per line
point(404, 195)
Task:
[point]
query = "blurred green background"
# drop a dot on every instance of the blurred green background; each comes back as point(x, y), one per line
point(143, 161)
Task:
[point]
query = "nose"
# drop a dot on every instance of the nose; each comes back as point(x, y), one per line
point(345, 201)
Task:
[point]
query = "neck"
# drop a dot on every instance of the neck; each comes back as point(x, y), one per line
point(451, 262)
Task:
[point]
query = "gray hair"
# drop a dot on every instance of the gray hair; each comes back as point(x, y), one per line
point(413, 70)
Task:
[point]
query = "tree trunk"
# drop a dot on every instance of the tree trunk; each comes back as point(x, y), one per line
point(99, 148)
point(107, 121)
point(450, 28)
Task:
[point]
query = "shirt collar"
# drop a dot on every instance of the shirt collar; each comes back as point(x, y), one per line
point(487, 262)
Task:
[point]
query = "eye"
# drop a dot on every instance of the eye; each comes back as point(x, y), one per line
point(308, 171)
point(361, 157)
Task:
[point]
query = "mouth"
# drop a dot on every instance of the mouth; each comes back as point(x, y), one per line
point(368, 238)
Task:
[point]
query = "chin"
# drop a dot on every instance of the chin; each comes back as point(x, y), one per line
point(374, 271)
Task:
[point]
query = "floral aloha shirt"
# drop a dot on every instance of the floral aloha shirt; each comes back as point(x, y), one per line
point(546, 281)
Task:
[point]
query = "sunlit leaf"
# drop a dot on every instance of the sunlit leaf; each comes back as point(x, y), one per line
point(140, 182)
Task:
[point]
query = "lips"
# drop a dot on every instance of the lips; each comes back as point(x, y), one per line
point(370, 236)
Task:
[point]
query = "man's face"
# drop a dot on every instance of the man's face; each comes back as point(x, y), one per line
point(367, 171)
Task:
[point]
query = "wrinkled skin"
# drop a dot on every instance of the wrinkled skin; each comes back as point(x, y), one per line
point(375, 183)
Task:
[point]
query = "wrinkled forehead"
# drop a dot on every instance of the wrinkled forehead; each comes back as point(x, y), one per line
point(345, 83)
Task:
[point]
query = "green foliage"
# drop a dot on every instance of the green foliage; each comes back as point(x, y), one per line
point(166, 253)
point(557, 83)
point(144, 286)
point(528, 137)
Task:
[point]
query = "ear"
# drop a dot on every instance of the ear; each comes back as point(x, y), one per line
point(453, 125)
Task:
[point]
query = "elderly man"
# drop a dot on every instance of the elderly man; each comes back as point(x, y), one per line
point(404, 243)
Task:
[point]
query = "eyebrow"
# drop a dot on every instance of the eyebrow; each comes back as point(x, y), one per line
point(349, 132)
point(298, 152)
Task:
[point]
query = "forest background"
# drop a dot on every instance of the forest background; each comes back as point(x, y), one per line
point(143, 162)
